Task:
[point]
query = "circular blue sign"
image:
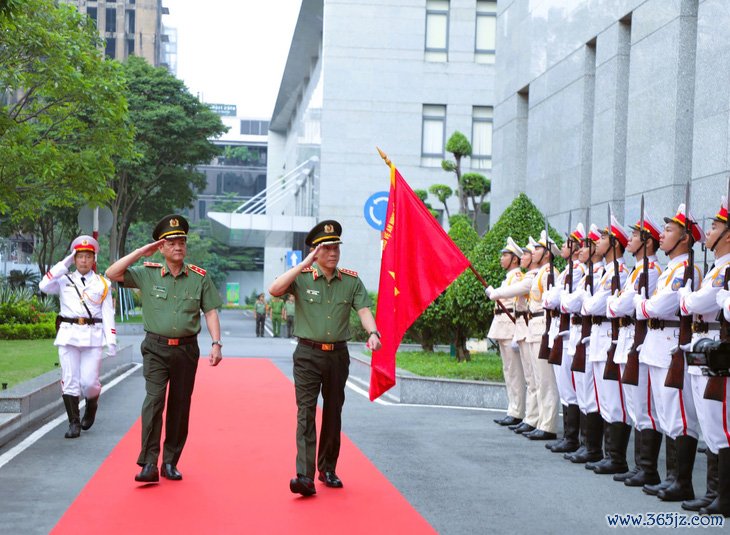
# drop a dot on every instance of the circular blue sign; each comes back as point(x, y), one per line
point(376, 208)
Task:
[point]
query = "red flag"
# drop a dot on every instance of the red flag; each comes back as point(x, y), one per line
point(419, 261)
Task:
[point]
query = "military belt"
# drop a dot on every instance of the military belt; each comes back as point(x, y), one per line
point(80, 321)
point(499, 311)
point(536, 314)
point(597, 320)
point(655, 324)
point(701, 327)
point(164, 340)
point(576, 319)
point(555, 313)
point(323, 346)
point(625, 321)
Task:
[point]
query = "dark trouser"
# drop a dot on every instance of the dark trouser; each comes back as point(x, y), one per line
point(260, 319)
point(165, 364)
point(314, 370)
point(290, 326)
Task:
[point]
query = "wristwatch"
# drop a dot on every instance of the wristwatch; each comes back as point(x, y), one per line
point(218, 342)
point(376, 333)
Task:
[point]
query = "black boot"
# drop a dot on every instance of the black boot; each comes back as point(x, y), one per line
point(90, 413)
point(682, 488)
point(570, 442)
point(711, 494)
point(620, 434)
point(594, 440)
point(651, 443)
point(670, 453)
point(553, 443)
point(637, 455)
point(606, 460)
point(72, 410)
point(721, 504)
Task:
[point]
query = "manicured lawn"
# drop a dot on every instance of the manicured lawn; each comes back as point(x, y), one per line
point(482, 367)
point(21, 360)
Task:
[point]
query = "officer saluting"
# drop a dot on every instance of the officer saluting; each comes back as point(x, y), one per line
point(173, 295)
point(86, 319)
point(324, 295)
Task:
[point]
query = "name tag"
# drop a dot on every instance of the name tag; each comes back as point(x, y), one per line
point(313, 292)
point(160, 292)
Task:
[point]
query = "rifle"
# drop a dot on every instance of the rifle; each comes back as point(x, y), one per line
point(556, 352)
point(675, 374)
point(544, 353)
point(612, 371)
point(631, 371)
point(579, 359)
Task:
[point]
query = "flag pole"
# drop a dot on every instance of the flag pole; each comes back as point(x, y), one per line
point(476, 273)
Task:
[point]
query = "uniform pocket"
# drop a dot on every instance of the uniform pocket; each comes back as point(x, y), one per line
point(313, 297)
point(191, 304)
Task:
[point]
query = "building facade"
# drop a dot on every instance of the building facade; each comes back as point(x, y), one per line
point(130, 28)
point(404, 78)
point(602, 102)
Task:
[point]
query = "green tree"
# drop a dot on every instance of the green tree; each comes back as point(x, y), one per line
point(461, 304)
point(475, 186)
point(62, 110)
point(172, 131)
point(459, 146)
point(443, 193)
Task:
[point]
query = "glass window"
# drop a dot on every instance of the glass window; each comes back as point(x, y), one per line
point(437, 30)
point(130, 47)
point(486, 31)
point(201, 210)
point(481, 135)
point(129, 21)
point(111, 19)
point(91, 13)
point(434, 124)
point(111, 47)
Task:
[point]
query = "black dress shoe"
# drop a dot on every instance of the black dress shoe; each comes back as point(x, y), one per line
point(539, 434)
point(302, 485)
point(330, 479)
point(523, 428)
point(149, 474)
point(170, 471)
point(508, 420)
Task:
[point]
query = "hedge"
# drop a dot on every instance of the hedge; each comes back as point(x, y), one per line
point(27, 331)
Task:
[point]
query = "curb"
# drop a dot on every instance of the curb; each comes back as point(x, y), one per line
point(25, 405)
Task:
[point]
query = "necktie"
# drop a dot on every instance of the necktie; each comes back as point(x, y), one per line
point(83, 281)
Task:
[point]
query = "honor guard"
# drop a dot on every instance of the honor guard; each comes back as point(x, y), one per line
point(173, 295)
point(502, 331)
point(321, 358)
point(85, 323)
point(712, 413)
point(675, 407)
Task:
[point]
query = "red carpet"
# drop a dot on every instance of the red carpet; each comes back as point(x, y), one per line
point(237, 464)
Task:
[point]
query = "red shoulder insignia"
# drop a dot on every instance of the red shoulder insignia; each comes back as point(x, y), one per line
point(151, 264)
point(307, 269)
point(349, 272)
point(200, 271)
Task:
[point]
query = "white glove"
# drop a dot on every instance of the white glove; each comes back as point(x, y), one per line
point(488, 290)
point(639, 299)
point(69, 259)
point(685, 290)
point(721, 297)
point(111, 350)
point(514, 345)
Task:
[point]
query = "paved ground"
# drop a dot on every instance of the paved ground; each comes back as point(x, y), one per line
point(463, 473)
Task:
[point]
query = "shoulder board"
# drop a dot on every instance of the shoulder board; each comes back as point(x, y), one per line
point(307, 270)
point(349, 272)
point(195, 269)
point(152, 264)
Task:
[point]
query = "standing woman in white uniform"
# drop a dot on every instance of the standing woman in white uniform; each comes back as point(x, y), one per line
point(86, 321)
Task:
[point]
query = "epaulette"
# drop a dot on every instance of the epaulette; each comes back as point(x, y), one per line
point(307, 269)
point(195, 269)
point(151, 264)
point(349, 272)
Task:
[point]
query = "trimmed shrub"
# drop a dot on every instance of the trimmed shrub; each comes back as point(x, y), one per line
point(27, 331)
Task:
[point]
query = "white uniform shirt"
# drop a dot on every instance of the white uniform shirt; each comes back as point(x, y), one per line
point(92, 292)
point(595, 305)
point(573, 302)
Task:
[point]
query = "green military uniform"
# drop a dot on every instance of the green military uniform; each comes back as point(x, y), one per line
point(277, 305)
point(321, 360)
point(171, 309)
point(290, 307)
point(260, 311)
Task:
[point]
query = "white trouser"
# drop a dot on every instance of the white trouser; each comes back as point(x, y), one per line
point(675, 408)
point(713, 415)
point(80, 370)
point(531, 412)
point(514, 379)
point(610, 396)
point(639, 406)
point(564, 379)
point(585, 390)
point(548, 400)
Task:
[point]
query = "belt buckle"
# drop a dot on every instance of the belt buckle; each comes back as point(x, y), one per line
point(328, 347)
point(81, 321)
point(173, 341)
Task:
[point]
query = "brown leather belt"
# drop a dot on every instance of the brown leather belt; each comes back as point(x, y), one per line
point(576, 319)
point(164, 340)
point(700, 327)
point(499, 311)
point(555, 313)
point(597, 320)
point(625, 321)
point(323, 346)
point(655, 324)
point(80, 321)
point(536, 314)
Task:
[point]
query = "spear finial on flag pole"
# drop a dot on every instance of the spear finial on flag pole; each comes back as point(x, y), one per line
point(384, 156)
